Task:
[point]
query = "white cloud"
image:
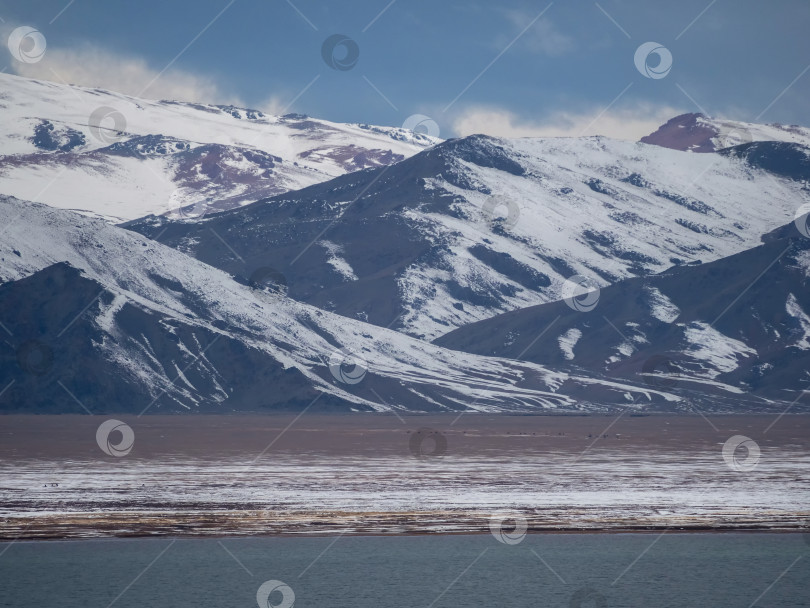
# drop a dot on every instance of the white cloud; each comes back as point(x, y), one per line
point(542, 37)
point(274, 106)
point(627, 123)
point(93, 66)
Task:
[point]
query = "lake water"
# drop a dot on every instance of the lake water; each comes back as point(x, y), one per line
point(610, 570)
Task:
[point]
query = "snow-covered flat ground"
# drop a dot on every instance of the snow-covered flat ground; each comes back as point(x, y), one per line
point(360, 475)
point(313, 494)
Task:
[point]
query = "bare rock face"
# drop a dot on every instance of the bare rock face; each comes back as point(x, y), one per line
point(684, 132)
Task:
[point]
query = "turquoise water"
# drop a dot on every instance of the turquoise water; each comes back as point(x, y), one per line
point(694, 570)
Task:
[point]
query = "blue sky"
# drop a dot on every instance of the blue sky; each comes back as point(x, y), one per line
point(560, 76)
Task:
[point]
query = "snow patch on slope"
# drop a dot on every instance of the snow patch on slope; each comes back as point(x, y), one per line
point(803, 260)
point(337, 261)
point(794, 309)
point(661, 307)
point(719, 352)
point(106, 318)
point(568, 341)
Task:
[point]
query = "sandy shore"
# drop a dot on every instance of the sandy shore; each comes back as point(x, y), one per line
point(378, 474)
point(237, 523)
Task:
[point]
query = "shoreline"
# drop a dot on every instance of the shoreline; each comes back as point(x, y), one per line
point(415, 534)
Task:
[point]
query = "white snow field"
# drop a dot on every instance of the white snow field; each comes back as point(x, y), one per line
point(198, 155)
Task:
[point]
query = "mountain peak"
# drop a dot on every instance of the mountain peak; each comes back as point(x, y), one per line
point(697, 132)
point(481, 150)
point(692, 131)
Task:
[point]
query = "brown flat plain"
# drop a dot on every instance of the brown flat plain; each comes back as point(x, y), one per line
point(73, 436)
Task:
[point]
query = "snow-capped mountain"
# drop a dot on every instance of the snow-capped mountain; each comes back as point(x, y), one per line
point(98, 317)
point(701, 133)
point(479, 226)
point(121, 157)
point(737, 327)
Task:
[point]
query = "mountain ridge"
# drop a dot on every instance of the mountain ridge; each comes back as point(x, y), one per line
point(122, 157)
point(716, 327)
point(696, 132)
point(173, 334)
point(477, 226)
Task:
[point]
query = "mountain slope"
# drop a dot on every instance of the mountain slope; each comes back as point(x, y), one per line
point(478, 226)
point(127, 357)
point(98, 315)
point(701, 133)
point(121, 157)
point(737, 326)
